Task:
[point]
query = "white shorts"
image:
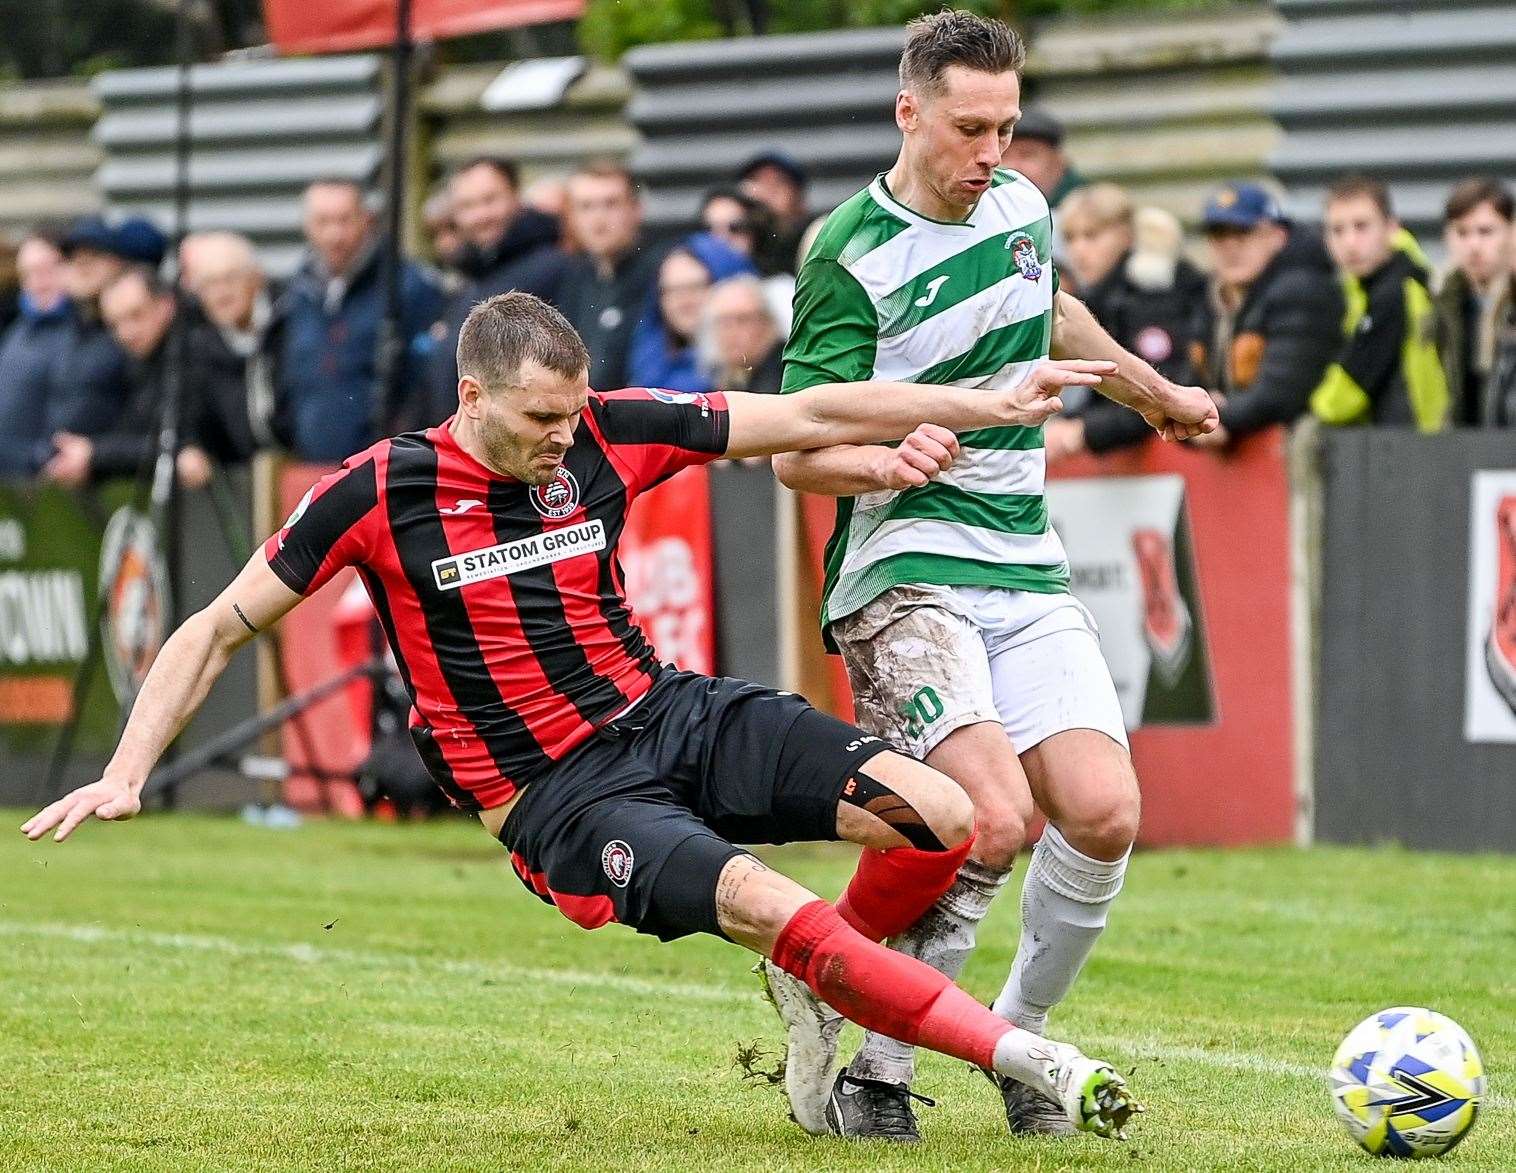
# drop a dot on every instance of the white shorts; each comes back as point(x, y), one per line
point(926, 660)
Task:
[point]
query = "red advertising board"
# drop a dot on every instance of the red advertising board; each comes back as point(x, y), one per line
point(1228, 777)
point(1184, 556)
point(343, 26)
point(312, 656)
point(670, 584)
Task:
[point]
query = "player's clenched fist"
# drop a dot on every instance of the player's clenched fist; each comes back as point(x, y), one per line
point(1037, 398)
point(923, 454)
point(1182, 413)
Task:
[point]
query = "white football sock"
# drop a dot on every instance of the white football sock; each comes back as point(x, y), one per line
point(1064, 903)
point(1030, 1059)
point(943, 938)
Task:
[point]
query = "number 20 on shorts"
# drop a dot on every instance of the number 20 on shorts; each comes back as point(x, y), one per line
point(921, 710)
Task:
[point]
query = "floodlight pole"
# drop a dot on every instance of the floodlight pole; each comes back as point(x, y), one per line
point(389, 392)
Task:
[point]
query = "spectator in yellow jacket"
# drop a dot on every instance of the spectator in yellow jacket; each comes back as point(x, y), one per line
point(1388, 371)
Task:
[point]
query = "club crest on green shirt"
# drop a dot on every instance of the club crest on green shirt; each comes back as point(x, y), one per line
point(1024, 254)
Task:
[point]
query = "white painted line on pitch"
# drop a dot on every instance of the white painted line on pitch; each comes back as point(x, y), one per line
point(314, 955)
point(1244, 1061)
point(1148, 1048)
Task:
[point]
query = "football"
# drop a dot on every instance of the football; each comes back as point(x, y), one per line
point(1407, 1083)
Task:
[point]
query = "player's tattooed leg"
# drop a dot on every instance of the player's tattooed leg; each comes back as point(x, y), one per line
point(869, 794)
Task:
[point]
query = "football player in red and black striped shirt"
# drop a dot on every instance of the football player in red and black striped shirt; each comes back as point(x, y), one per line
point(619, 785)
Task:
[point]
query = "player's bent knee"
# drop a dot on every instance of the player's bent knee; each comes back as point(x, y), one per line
point(1001, 834)
point(954, 821)
point(894, 800)
point(1107, 833)
point(945, 806)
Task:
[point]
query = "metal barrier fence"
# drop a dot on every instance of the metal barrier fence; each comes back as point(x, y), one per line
point(47, 160)
point(547, 141)
point(703, 109)
point(1166, 105)
point(1419, 94)
point(259, 131)
point(1416, 712)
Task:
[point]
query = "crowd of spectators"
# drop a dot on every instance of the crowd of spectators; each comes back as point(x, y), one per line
point(104, 325)
point(1278, 319)
point(1347, 323)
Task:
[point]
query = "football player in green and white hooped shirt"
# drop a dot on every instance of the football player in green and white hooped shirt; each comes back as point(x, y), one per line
point(946, 588)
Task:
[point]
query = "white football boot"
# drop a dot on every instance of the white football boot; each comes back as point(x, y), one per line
point(810, 1058)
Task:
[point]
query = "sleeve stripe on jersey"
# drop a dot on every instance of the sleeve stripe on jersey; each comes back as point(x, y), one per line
point(321, 527)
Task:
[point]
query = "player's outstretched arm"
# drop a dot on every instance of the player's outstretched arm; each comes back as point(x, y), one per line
point(191, 660)
point(866, 413)
point(1177, 413)
point(846, 470)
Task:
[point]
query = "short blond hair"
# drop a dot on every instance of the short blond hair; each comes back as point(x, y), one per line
point(1104, 205)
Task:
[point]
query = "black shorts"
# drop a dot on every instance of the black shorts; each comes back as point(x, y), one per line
point(635, 825)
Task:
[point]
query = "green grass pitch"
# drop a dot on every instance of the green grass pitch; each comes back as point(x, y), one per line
point(190, 993)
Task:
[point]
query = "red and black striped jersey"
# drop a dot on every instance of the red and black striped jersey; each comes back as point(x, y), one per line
point(504, 602)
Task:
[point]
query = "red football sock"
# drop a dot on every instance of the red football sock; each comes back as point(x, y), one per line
point(885, 991)
point(891, 890)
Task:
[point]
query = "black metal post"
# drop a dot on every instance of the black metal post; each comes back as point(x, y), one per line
point(390, 391)
point(166, 504)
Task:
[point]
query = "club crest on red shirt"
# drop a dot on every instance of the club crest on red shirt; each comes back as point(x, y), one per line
point(616, 859)
point(558, 498)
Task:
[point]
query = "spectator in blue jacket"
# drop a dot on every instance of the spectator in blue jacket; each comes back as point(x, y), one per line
point(32, 347)
point(663, 347)
point(90, 383)
point(332, 315)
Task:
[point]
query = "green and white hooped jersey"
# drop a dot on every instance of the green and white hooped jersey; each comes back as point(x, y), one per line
point(888, 294)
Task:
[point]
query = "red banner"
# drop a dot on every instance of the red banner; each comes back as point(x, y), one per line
point(1217, 767)
point(313, 655)
point(343, 26)
point(670, 578)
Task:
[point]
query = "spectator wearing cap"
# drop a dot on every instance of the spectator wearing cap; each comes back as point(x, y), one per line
point(664, 352)
point(777, 181)
point(1036, 151)
point(144, 314)
point(608, 286)
point(1126, 265)
point(1475, 303)
point(1387, 371)
point(330, 319)
point(90, 384)
point(33, 346)
point(507, 245)
point(1274, 319)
